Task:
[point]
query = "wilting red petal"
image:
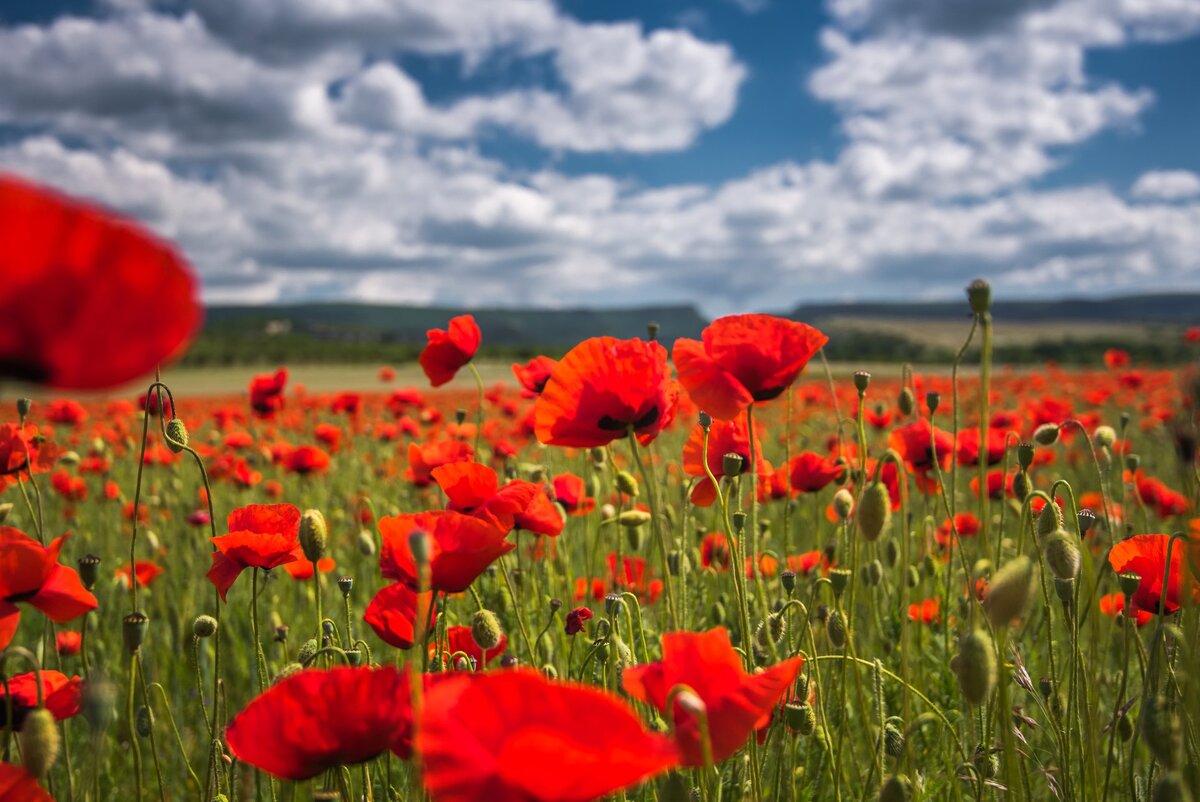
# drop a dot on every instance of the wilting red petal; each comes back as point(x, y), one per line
point(89, 300)
point(515, 736)
point(316, 720)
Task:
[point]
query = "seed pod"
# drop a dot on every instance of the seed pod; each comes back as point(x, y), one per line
point(133, 630)
point(39, 742)
point(1062, 555)
point(975, 665)
point(177, 435)
point(1010, 591)
point(486, 630)
point(874, 512)
point(732, 464)
point(800, 717)
point(839, 580)
point(314, 535)
point(979, 296)
point(89, 570)
point(788, 580)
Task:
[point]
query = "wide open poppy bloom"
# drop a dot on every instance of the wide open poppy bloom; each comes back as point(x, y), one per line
point(423, 458)
point(396, 612)
point(743, 359)
point(1146, 556)
point(736, 702)
point(515, 736)
point(921, 451)
point(461, 548)
point(475, 490)
point(147, 571)
point(260, 536)
point(266, 393)
point(61, 694)
point(307, 459)
point(315, 720)
point(89, 299)
point(603, 388)
point(449, 349)
point(534, 374)
point(18, 785)
point(724, 437)
point(811, 473)
point(31, 573)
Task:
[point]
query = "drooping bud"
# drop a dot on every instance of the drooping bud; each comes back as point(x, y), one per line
point(286, 671)
point(5, 509)
point(1046, 434)
point(144, 721)
point(366, 543)
point(1049, 520)
point(314, 535)
point(843, 504)
point(419, 544)
point(1010, 591)
point(634, 518)
point(1104, 436)
point(133, 630)
point(307, 651)
point(1062, 555)
point(205, 626)
point(39, 742)
point(627, 483)
point(835, 629)
point(893, 740)
point(599, 457)
point(874, 511)
point(177, 435)
point(906, 402)
point(486, 630)
point(975, 666)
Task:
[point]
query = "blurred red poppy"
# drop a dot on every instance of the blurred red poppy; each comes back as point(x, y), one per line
point(571, 492)
point(147, 572)
point(62, 695)
point(603, 388)
point(921, 446)
point(474, 489)
point(534, 374)
point(260, 536)
point(576, 619)
point(423, 458)
point(307, 459)
point(31, 573)
point(18, 785)
point(924, 612)
point(1146, 556)
point(266, 393)
point(735, 702)
point(724, 437)
point(743, 359)
point(89, 300)
point(449, 349)
point(68, 642)
point(811, 473)
point(461, 548)
point(317, 720)
point(515, 736)
point(1113, 605)
point(397, 611)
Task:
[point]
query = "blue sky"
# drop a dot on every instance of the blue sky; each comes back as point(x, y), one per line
point(735, 154)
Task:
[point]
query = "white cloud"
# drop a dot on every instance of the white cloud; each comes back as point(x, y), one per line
point(1167, 185)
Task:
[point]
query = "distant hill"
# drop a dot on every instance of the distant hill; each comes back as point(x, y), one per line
point(1178, 309)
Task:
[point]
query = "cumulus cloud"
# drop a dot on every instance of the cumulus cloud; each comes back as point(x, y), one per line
point(1167, 185)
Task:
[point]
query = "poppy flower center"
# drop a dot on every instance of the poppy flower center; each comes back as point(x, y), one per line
point(610, 424)
point(26, 370)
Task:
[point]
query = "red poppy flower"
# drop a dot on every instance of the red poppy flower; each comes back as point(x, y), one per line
point(68, 642)
point(147, 572)
point(602, 388)
point(965, 523)
point(475, 490)
point(18, 785)
point(31, 573)
point(811, 473)
point(807, 562)
point(63, 695)
point(968, 446)
point(714, 551)
point(724, 437)
point(515, 736)
point(915, 445)
point(534, 374)
point(21, 450)
point(328, 434)
point(743, 359)
point(460, 639)
point(1146, 556)
point(1192, 335)
point(89, 299)
point(71, 488)
point(1113, 605)
point(266, 393)
point(571, 492)
point(66, 410)
point(461, 548)
point(576, 619)
point(301, 568)
point(449, 349)
point(735, 702)
point(307, 459)
point(260, 536)
point(396, 612)
point(1155, 493)
point(1116, 358)
point(347, 403)
point(316, 720)
point(422, 459)
point(924, 612)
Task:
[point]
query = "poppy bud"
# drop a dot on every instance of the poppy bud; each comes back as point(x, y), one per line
point(732, 464)
point(1022, 487)
point(986, 761)
point(1049, 520)
point(1065, 590)
point(69, 458)
point(862, 380)
point(286, 671)
point(133, 629)
point(1170, 788)
point(512, 661)
point(913, 576)
point(891, 553)
point(1129, 583)
point(843, 504)
point(1104, 436)
point(893, 740)
point(537, 474)
point(345, 585)
point(460, 416)
point(874, 512)
point(89, 570)
point(144, 721)
point(627, 483)
point(898, 788)
point(598, 456)
point(716, 614)
point(975, 666)
point(23, 407)
point(835, 629)
point(905, 402)
point(932, 399)
point(177, 435)
point(1010, 591)
point(5, 509)
point(314, 535)
point(307, 651)
point(1025, 452)
point(800, 717)
point(99, 702)
point(607, 512)
point(1132, 462)
point(633, 518)
point(872, 573)
point(419, 544)
point(205, 626)
point(652, 330)
point(1162, 731)
point(366, 543)
point(677, 561)
point(705, 420)
point(1062, 555)
point(788, 580)
point(1124, 728)
point(1046, 434)
point(39, 742)
point(486, 630)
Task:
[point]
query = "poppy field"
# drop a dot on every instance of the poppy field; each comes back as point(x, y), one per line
point(658, 568)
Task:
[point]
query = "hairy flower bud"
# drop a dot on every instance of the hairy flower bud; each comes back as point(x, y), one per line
point(975, 666)
point(874, 511)
point(1010, 591)
point(1046, 434)
point(39, 742)
point(835, 629)
point(177, 435)
point(906, 402)
point(205, 626)
point(1062, 555)
point(486, 630)
point(314, 535)
point(633, 518)
point(843, 504)
point(627, 483)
